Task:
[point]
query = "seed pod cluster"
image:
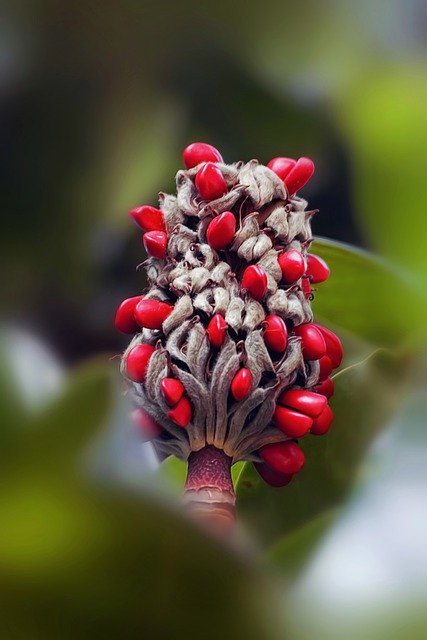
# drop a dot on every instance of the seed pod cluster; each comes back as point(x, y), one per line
point(225, 351)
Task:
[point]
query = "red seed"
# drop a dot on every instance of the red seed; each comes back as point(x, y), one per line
point(275, 333)
point(326, 388)
point(313, 344)
point(155, 243)
point(148, 218)
point(292, 265)
point(137, 361)
point(216, 330)
point(152, 313)
point(283, 457)
point(326, 367)
point(281, 166)
point(210, 182)
point(254, 280)
point(181, 413)
point(271, 477)
point(299, 175)
point(241, 384)
point(306, 288)
point(125, 318)
point(172, 390)
point(293, 423)
point(317, 269)
point(322, 423)
point(333, 345)
point(198, 152)
point(148, 426)
point(308, 402)
point(221, 230)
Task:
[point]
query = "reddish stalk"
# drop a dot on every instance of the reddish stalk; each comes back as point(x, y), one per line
point(209, 493)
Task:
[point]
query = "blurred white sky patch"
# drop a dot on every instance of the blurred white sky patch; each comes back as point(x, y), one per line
point(36, 370)
point(375, 557)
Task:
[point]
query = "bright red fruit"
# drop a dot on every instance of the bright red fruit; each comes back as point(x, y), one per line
point(137, 361)
point(148, 218)
point(313, 344)
point(172, 390)
point(221, 230)
point(152, 313)
point(241, 384)
point(293, 423)
point(306, 288)
point(326, 388)
point(155, 243)
point(271, 477)
point(283, 457)
point(198, 152)
point(292, 265)
point(317, 269)
point(322, 423)
point(125, 318)
point(148, 426)
point(210, 182)
point(281, 166)
point(254, 280)
point(308, 402)
point(275, 333)
point(181, 413)
point(216, 330)
point(333, 345)
point(299, 175)
point(326, 367)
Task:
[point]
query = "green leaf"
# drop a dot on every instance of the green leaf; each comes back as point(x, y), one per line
point(366, 296)
point(292, 552)
point(365, 396)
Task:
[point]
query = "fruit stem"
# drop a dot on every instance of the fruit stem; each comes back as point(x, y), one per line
point(209, 493)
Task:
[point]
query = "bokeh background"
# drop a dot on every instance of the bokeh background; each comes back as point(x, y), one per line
point(97, 101)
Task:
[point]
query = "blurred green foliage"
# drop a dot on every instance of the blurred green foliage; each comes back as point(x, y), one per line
point(97, 102)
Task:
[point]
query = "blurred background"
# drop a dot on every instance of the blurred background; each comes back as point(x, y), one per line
point(97, 101)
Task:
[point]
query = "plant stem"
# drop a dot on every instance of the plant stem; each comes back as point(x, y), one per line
point(209, 493)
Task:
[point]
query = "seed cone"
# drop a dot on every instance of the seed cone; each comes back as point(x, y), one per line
point(201, 283)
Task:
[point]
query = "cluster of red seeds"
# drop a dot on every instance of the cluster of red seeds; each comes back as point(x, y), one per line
point(298, 411)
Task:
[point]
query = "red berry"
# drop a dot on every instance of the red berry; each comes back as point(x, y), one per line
point(306, 288)
point(148, 426)
point(172, 390)
point(293, 423)
point(299, 175)
point(326, 388)
point(125, 318)
point(241, 384)
point(137, 361)
point(308, 402)
point(181, 413)
point(292, 265)
point(275, 333)
point(326, 367)
point(210, 182)
point(322, 423)
point(152, 313)
point(313, 344)
point(148, 218)
point(217, 328)
point(220, 231)
point(271, 477)
point(254, 280)
point(333, 345)
point(198, 152)
point(155, 243)
point(317, 269)
point(281, 166)
point(283, 457)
